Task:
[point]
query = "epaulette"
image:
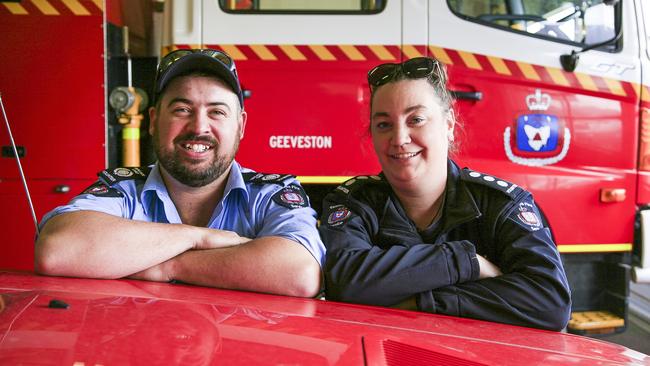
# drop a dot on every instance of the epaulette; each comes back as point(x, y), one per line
point(264, 178)
point(510, 189)
point(115, 175)
point(354, 184)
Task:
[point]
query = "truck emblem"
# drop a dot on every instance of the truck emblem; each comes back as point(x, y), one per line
point(539, 139)
point(538, 101)
point(537, 132)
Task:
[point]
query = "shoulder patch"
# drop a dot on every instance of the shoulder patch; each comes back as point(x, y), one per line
point(112, 176)
point(338, 215)
point(291, 196)
point(506, 187)
point(100, 189)
point(355, 183)
point(527, 215)
point(263, 178)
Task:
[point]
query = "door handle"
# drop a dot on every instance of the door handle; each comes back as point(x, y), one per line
point(62, 188)
point(473, 96)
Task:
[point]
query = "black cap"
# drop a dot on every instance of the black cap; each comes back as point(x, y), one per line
point(201, 61)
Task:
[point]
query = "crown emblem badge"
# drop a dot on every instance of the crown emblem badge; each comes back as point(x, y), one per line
point(538, 101)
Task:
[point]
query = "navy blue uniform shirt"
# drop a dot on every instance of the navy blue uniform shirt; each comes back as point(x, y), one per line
point(375, 254)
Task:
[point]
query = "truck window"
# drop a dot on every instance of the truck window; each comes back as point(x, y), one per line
point(582, 22)
point(303, 6)
point(645, 15)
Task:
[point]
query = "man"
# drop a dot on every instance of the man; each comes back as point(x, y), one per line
point(196, 216)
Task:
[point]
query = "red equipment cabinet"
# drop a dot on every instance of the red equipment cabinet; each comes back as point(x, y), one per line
point(52, 85)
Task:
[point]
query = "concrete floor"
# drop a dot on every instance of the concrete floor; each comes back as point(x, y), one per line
point(636, 337)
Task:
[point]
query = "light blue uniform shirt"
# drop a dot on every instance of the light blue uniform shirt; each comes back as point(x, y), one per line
point(262, 205)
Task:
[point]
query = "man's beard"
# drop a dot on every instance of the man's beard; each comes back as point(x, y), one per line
point(184, 171)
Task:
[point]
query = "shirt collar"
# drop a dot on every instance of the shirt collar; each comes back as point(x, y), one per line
point(459, 205)
point(235, 181)
point(154, 186)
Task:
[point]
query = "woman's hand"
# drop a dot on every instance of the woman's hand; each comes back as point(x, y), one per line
point(487, 269)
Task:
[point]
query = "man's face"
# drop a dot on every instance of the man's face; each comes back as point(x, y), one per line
point(196, 129)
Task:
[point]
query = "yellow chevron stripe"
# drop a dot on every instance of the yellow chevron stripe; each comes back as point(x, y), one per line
point(75, 7)
point(586, 81)
point(322, 52)
point(45, 7)
point(410, 51)
point(499, 65)
point(645, 93)
point(637, 90)
point(470, 60)
point(234, 52)
point(594, 248)
point(557, 76)
point(262, 52)
point(440, 54)
point(528, 71)
point(322, 179)
point(352, 52)
point(381, 52)
point(615, 86)
point(15, 9)
point(293, 52)
point(99, 4)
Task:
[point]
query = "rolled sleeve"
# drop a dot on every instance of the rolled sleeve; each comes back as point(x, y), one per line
point(296, 224)
point(87, 202)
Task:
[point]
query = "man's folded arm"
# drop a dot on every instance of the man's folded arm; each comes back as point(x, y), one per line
point(270, 264)
point(98, 245)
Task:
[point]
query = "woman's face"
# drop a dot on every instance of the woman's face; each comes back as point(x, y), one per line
point(411, 131)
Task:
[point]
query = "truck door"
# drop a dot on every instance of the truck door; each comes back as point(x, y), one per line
point(570, 137)
point(564, 135)
point(304, 64)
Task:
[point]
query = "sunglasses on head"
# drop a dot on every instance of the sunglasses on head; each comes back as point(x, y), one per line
point(415, 68)
point(174, 56)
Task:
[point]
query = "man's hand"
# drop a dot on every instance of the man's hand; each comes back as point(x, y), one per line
point(487, 268)
point(215, 238)
point(208, 239)
point(159, 273)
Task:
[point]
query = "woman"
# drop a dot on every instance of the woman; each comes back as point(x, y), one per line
point(426, 234)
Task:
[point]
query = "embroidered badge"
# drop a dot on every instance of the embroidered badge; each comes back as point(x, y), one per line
point(102, 190)
point(122, 172)
point(291, 196)
point(528, 217)
point(112, 176)
point(262, 178)
point(270, 177)
point(338, 216)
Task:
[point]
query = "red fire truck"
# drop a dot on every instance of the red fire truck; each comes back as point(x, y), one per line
point(551, 95)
